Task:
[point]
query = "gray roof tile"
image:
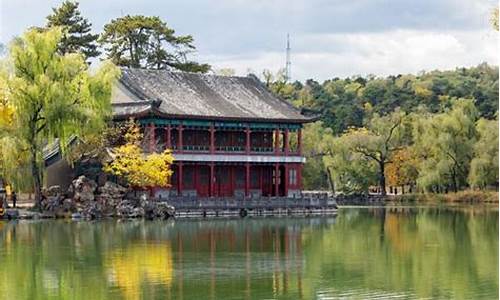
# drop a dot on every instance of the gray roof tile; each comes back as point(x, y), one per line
point(200, 95)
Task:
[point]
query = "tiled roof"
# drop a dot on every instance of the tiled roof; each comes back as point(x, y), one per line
point(197, 95)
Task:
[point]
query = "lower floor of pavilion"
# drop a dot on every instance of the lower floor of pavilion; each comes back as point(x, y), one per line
point(234, 180)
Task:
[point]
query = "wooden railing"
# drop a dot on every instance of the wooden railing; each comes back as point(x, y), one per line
point(254, 203)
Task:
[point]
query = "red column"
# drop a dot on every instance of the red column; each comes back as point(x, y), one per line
point(179, 148)
point(211, 187)
point(299, 141)
point(212, 139)
point(179, 180)
point(247, 179)
point(286, 180)
point(285, 141)
point(276, 180)
point(277, 141)
point(261, 184)
point(247, 147)
point(299, 177)
point(169, 136)
point(152, 140)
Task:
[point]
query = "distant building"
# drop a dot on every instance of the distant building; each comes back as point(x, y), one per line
point(229, 135)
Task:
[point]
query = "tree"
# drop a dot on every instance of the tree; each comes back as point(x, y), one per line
point(349, 171)
point(484, 166)
point(140, 170)
point(53, 96)
point(403, 168)
point(375, 143)
point(445, 146)
point(314, 172)
point(77, 37)
point(494, 19)
point(147, 42)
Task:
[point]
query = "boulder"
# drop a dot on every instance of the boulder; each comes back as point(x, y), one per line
point(112, 189)
point(91, 210)
point(161, 210)
point(51, 204)
point(83, 189)
point(53, 191)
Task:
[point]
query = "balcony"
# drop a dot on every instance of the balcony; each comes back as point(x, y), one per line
point(222, 141)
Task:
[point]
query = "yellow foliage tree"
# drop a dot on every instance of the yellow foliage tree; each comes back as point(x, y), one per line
point(402, 168)
point(137, 168)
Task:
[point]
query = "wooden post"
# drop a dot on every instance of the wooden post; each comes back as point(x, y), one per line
point(285, 185)
point(169, 136)
point(212, 186)
point(247, 179)
point(179, 180)
point(212, 139)
point(247, 147)
point(299, 141)
point(179, 148)
point(299, 177)
point(285, 141)
point(277, 141)
point(152, 140)
point(276, 180)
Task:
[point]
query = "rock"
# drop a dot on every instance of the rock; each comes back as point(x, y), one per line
point(137, 212)
point(113, 189)
point(53, 191)
point(51, 204)
point(83, 189)
point(165, 210)
point(160, 210)
point(76, 216)
point(68, 205)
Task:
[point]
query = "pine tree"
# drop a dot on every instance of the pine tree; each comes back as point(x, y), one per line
point(147, 42)
point(78, 36)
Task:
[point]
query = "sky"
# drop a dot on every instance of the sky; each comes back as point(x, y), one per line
point(335, 38)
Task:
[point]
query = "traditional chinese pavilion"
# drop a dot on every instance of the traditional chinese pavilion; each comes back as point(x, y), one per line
point(229, 135)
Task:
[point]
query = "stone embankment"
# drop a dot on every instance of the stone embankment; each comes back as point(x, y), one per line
point(84, 199)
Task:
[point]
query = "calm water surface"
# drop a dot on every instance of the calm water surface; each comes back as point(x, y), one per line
point(363, 253)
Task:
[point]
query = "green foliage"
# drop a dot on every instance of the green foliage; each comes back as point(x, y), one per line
point(77, 37)
point(54, 97)
point(360, 153)
point(484, 166)
point(352, 172)
point(147, 42)
point(445, 143)
point(430, 98)
point(349, 102)
point(314, 172)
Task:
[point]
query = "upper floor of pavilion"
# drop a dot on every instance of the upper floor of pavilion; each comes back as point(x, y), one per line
point(199, 112)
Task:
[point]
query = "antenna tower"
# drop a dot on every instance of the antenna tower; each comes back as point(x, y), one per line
point(288, 66)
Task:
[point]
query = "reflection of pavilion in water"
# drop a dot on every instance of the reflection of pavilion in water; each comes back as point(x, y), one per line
point(244, 258)
point(217, 259)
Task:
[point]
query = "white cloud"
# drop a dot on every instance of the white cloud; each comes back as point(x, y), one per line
point(324, 56)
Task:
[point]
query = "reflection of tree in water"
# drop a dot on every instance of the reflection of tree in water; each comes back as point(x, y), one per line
point(137, 264)
point(424, 253)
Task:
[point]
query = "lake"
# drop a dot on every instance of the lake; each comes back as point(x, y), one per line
point(362, 253)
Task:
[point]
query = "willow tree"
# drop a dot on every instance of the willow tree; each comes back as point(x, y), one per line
point(445, 143)
point(371, 147)
point(484, 166)
point(54, 97)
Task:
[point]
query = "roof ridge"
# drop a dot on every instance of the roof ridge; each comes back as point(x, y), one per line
point(187, 72)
